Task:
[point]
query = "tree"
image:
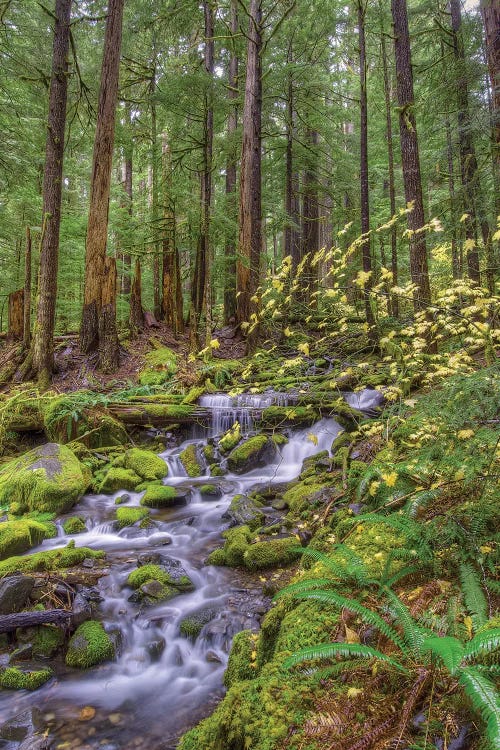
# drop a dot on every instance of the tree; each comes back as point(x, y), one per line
point(97, 229)
point(232, 124)
point(43, 342)
point(490, 10)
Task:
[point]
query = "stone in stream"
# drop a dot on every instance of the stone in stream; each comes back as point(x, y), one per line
point(252, 453)
point(37, 743)
point(155, 648)
point(22, 725)
point(81, 609)
point(14, 593)
point(243, 510)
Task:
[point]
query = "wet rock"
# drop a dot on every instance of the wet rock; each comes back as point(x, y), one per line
point(21, 726)
point(37, 743)
point(155, 648)
point(90, 593)
point(122, 499)
point(463, 741)
point(356, 508)
point(305, 536)
point(89, 562)
point(14, 592)
point(244, 511)
point(192, 625)
point(279, 504)
point(159, 541)
point(213, 657)
point(81, 609)
point(256, 451)
point(211, 491)
point(23, 653)
point(316, 464)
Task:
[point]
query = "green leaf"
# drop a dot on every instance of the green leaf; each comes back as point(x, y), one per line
point(347, 650)
point(485, 699)
point(473, 594)
point(482, 643)
point(447, 649)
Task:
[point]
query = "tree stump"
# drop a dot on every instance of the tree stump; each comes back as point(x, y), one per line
point(16, 314)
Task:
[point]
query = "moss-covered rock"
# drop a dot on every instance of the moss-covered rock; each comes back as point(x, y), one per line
point(245, 510)
point(90, 645)
point(55, 559)
point(256, 451)
point(302, 494)
point(18, 535)
point(242, 664)
point(192, 625)
point(47, 479)
point(154, 583)
point(146, 464)
point(237, 541)
point(217, 557)
point(271, 554)
point(282, 416)
point(129, 516)
point(230, 439)
point(191, 461)
point(159, 366)
point(160, 496)
point(45, 640)
point(13, 678)
point(74, 525)
point(117, 478)
point(211, 491)
point(65, 420)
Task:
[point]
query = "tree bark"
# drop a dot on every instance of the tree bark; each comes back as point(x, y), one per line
point(136, 320)
point(16, 315)
point(250, 205)
point(109, 349)
point(171, 305)
point(232, 125)
point(27, 291)
point(97, 229)
point(490, 11)
point(128, 189)
point(43, 344)
point(310, 219)
point(410, 156)
point(8, 623)
point(292, 196)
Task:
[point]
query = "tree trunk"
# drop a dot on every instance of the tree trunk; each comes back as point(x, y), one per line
point(292, 197)
point(310, 220)
point(109, 349)
point(232, 125)
point(171, 305)
point(410, 157)
point(97, 230)
point(27, 291)
point(127, 185)
point(490, 11)
point(136, 320)
point(250, 205)
point(363, 172)
point(8, 623)
point(43, 345)
point(16, 315)
point(153, 184)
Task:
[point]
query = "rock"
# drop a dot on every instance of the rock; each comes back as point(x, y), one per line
point(81, 609)
point(89, 562)
point(90, 645)
point(23, 653)
point(192, 625)
point(37, 743)
point(213, 657)
point(462, 742)
point(316, 464)
point(14, 593)
point(22, 725)
point(146, 464)
point(252, 453)
point(156, 648)
point(119, 479)
point(243, 510)
point(356, 508)
point(47, 479)
point(211, 491)
point(192, 461)
point(163, 496)
point(122, 499)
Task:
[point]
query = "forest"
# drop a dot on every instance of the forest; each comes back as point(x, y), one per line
point(249, 375)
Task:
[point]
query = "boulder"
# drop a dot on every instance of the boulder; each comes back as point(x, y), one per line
point(46, 479)
point(256, 451)
point(22, 725)
point(14, 593)
point(244, 510)
point(90, 645)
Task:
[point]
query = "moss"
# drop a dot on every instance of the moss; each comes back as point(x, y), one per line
point(119, 479)
point(193, 395)
point(212, 490)
point(190, 461)
point(373, 543)
point(151, 572)
point(159, 496)
point(74, 525)
point(18, 535)
point(13, 678)
point(241, 664)
point(55, 559)
point(279, 416)
point(279, 439)
point(217, 471)
point(159, 366)
point(90, 645)
point(208, 453)
point(46, 479)
point(146, 464)
point(129, 516)
point(253, 452)
point(244, 510)
point(45, 639)
point(300, 495)
point(237, 541)
point(271, 554)
point(230, 439)
point(217, 557)
point(66, 419)
point(192, 625)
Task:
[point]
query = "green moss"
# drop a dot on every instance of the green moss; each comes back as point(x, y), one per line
point(241, 665)
point(279, 416)
point(72, 417)
point(373, 543)
point(230, 439)
point(74, 525)
point(13, 678)
point(237, 541)
point(18, 535)
point(159, 366)
point(271, 554)
point(212, 490)
point(90, 645)
point(208, 452)
point(251, 453)
point(192, 625)
point(159, 496)
point(119, 479)
point(146, 573)
point(217, 557)
point(46, 640)
point(46, 479)
point(129, 516)
point(279, 439)
point(55, 559)
point(146, 464)
point(193, 395)
point(190, 461)
point(300, 495)
point(246, 511)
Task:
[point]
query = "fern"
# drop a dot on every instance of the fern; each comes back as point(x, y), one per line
point(473, 594)
point(414, 635)
point(347, 650)
point(484, 699)
point(419, 500)
point(352, 568)
point(447, 649)
point(482, 643)
point(303, 586)
point(364, 485)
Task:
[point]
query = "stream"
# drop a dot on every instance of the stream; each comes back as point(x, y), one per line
point(162, 683)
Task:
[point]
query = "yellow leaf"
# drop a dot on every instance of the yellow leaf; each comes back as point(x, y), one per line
point(304, 348)
point(485, 549)
point(313, 438)
point(253, 655)
point(465, 434)
point(390, 479)
point(354, 692)
point(214, 344)
point(460, 474)
point(287, 332)
point(468, 625)
point(350, 635)
point(463, 218)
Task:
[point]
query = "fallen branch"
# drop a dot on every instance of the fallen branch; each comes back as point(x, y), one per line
point(29, 619)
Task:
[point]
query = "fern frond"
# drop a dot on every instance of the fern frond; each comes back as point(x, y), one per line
point(482, 643)
point(419, 500)
point(473, 594)
point(408, 570)
point(447, 649)
point(328, 672)
point(485, 699)
point(490, 670)
point(414, 635)
point(347, 650)
point(353, 567)
point(365, 482)
point(367, 615)
point(300, 586)
point(492, 585)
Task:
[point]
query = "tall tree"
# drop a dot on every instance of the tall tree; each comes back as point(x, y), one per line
point(292, 197)
point(43, 342)
point(250, 205)
point(490, 10)
point(232, 125)
point(410, 156)
point(97, 229)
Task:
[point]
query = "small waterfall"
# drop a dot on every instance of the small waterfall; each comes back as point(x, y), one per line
point(367, 400)
point(226, 410)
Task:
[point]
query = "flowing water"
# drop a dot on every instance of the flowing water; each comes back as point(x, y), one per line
point(162, 683)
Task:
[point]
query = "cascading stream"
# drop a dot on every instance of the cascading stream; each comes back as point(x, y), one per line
point(162, 683)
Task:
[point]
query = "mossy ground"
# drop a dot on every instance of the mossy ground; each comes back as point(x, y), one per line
point(159, 366)
point(50, 560)
point(18, 535)
point(74, 525)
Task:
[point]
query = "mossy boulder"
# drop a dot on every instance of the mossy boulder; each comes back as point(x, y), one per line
point(211, 491)
point(117, 478)
point(271, 554)
point(192, 625)
point(230, 439)
point(283, 416)
point(129, 516)
point(90, 645)
point(55, 559)
point(159, 366)
point(161, 496)
point(154, 583)
point(244, 510)
point(191, 461)
point(301, 495)
point(74, 525)
point(13, 678)
point(45, 640)
point(65, 420)
point(241, 665)
point(256, 451)
point(145, 464)
point(46, 479)
point(18, 535)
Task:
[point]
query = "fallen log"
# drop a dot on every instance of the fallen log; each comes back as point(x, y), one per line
point(30, 619)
